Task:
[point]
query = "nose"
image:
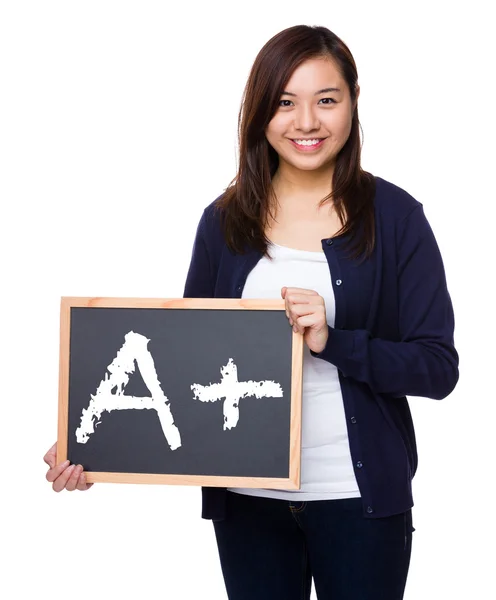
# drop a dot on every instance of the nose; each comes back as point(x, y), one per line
point(306, 118)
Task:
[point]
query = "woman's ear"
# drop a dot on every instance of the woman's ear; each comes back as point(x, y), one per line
point(357, 93)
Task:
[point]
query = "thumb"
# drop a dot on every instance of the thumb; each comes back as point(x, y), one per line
point(50, 456)
point(283, 292)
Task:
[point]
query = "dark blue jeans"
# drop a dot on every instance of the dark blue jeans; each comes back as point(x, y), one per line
point(270, 550)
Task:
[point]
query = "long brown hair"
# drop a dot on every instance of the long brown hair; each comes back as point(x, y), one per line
point(246, 202)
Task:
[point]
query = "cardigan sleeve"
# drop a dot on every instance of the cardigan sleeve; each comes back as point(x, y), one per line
point(424, 362)
point(199, 282)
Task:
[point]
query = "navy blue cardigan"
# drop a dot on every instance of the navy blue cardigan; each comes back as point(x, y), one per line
point(393, 337)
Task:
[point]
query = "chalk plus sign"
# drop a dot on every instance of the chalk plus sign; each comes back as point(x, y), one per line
point(233, 390)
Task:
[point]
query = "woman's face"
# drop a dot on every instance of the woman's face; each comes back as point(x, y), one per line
point(306, 112)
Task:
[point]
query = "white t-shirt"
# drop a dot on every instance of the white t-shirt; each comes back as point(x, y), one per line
point(326, 465)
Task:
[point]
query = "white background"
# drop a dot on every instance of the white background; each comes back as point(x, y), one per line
point(118, 126)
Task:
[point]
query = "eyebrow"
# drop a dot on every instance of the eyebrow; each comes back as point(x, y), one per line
point(324, 91)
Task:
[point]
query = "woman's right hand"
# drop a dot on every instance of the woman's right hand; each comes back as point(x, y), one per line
point(64, 476)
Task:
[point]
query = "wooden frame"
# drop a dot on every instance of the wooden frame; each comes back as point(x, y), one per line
point(292, 482)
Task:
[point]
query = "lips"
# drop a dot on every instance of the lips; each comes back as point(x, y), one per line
point(308, 148)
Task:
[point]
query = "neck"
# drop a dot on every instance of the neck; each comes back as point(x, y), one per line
point(310, 186)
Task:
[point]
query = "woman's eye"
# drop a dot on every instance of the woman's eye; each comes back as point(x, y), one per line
point(331, 101)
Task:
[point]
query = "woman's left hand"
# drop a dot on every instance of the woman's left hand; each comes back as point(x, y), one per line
point(306, 312)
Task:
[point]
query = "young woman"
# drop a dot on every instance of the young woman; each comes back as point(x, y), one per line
point(358, 266)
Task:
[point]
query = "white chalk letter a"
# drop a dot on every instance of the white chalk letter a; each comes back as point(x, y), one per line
point(105, 399)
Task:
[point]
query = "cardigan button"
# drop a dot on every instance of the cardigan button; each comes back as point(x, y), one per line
point(338, 282)
point(353, 420)
point(359, 464)
point(329, 242)
point(370, 510)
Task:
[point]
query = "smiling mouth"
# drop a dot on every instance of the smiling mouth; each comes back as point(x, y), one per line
point(310, 144)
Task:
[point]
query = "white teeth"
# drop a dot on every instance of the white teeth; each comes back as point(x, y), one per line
point(306, 142)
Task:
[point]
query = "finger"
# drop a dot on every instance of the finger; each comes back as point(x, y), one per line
point(291, 317)
point(72, 482)
point(51, 456)
point(82, 484)
point(293, 321)
point(304, 299)
point(298, 310)
point(59, 484)
point(296, 290)
point(310, 300)
point(306, 321)
point(315, 337)
point(52, 474)
point(286, 306)
point(317, 314)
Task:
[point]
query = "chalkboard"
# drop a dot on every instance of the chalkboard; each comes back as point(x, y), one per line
point(180, 391)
